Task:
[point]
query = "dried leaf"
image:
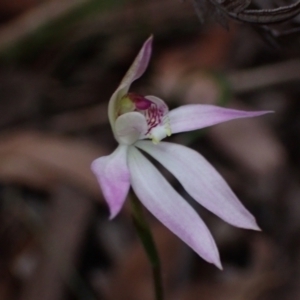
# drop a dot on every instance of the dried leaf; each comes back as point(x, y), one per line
point(237, 9)
point(42, 161)
point(267, 16)
point(64, 233)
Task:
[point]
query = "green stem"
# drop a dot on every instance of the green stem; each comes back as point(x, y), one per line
point(145, 235)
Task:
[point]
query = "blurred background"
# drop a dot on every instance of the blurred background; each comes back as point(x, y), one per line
point(60, 60)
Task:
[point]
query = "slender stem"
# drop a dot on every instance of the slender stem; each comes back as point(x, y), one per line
point(145, 235)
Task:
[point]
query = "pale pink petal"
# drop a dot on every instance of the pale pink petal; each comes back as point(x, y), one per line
point(140, 63)
point(157, 118)
point(135, 71)
point(114, 178)
point(158, 196)
point(201, 181)
point(129, 127)
point(160, 104)
point(197, 116)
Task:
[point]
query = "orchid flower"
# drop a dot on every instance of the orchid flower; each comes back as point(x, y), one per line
point(140, 123)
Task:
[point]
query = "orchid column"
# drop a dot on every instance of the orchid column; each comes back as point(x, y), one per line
point(140, 123)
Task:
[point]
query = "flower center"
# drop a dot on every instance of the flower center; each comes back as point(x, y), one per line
point(153, 109)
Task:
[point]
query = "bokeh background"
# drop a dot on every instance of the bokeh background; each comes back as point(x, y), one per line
point(60, 60)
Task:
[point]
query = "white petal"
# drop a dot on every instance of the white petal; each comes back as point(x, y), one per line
point(129, 127)
point(162, 130)
point(197, 116)
point(201, 181)
point(161, 105)
point(114, 178)
point(136, 70)
point(159, 197)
